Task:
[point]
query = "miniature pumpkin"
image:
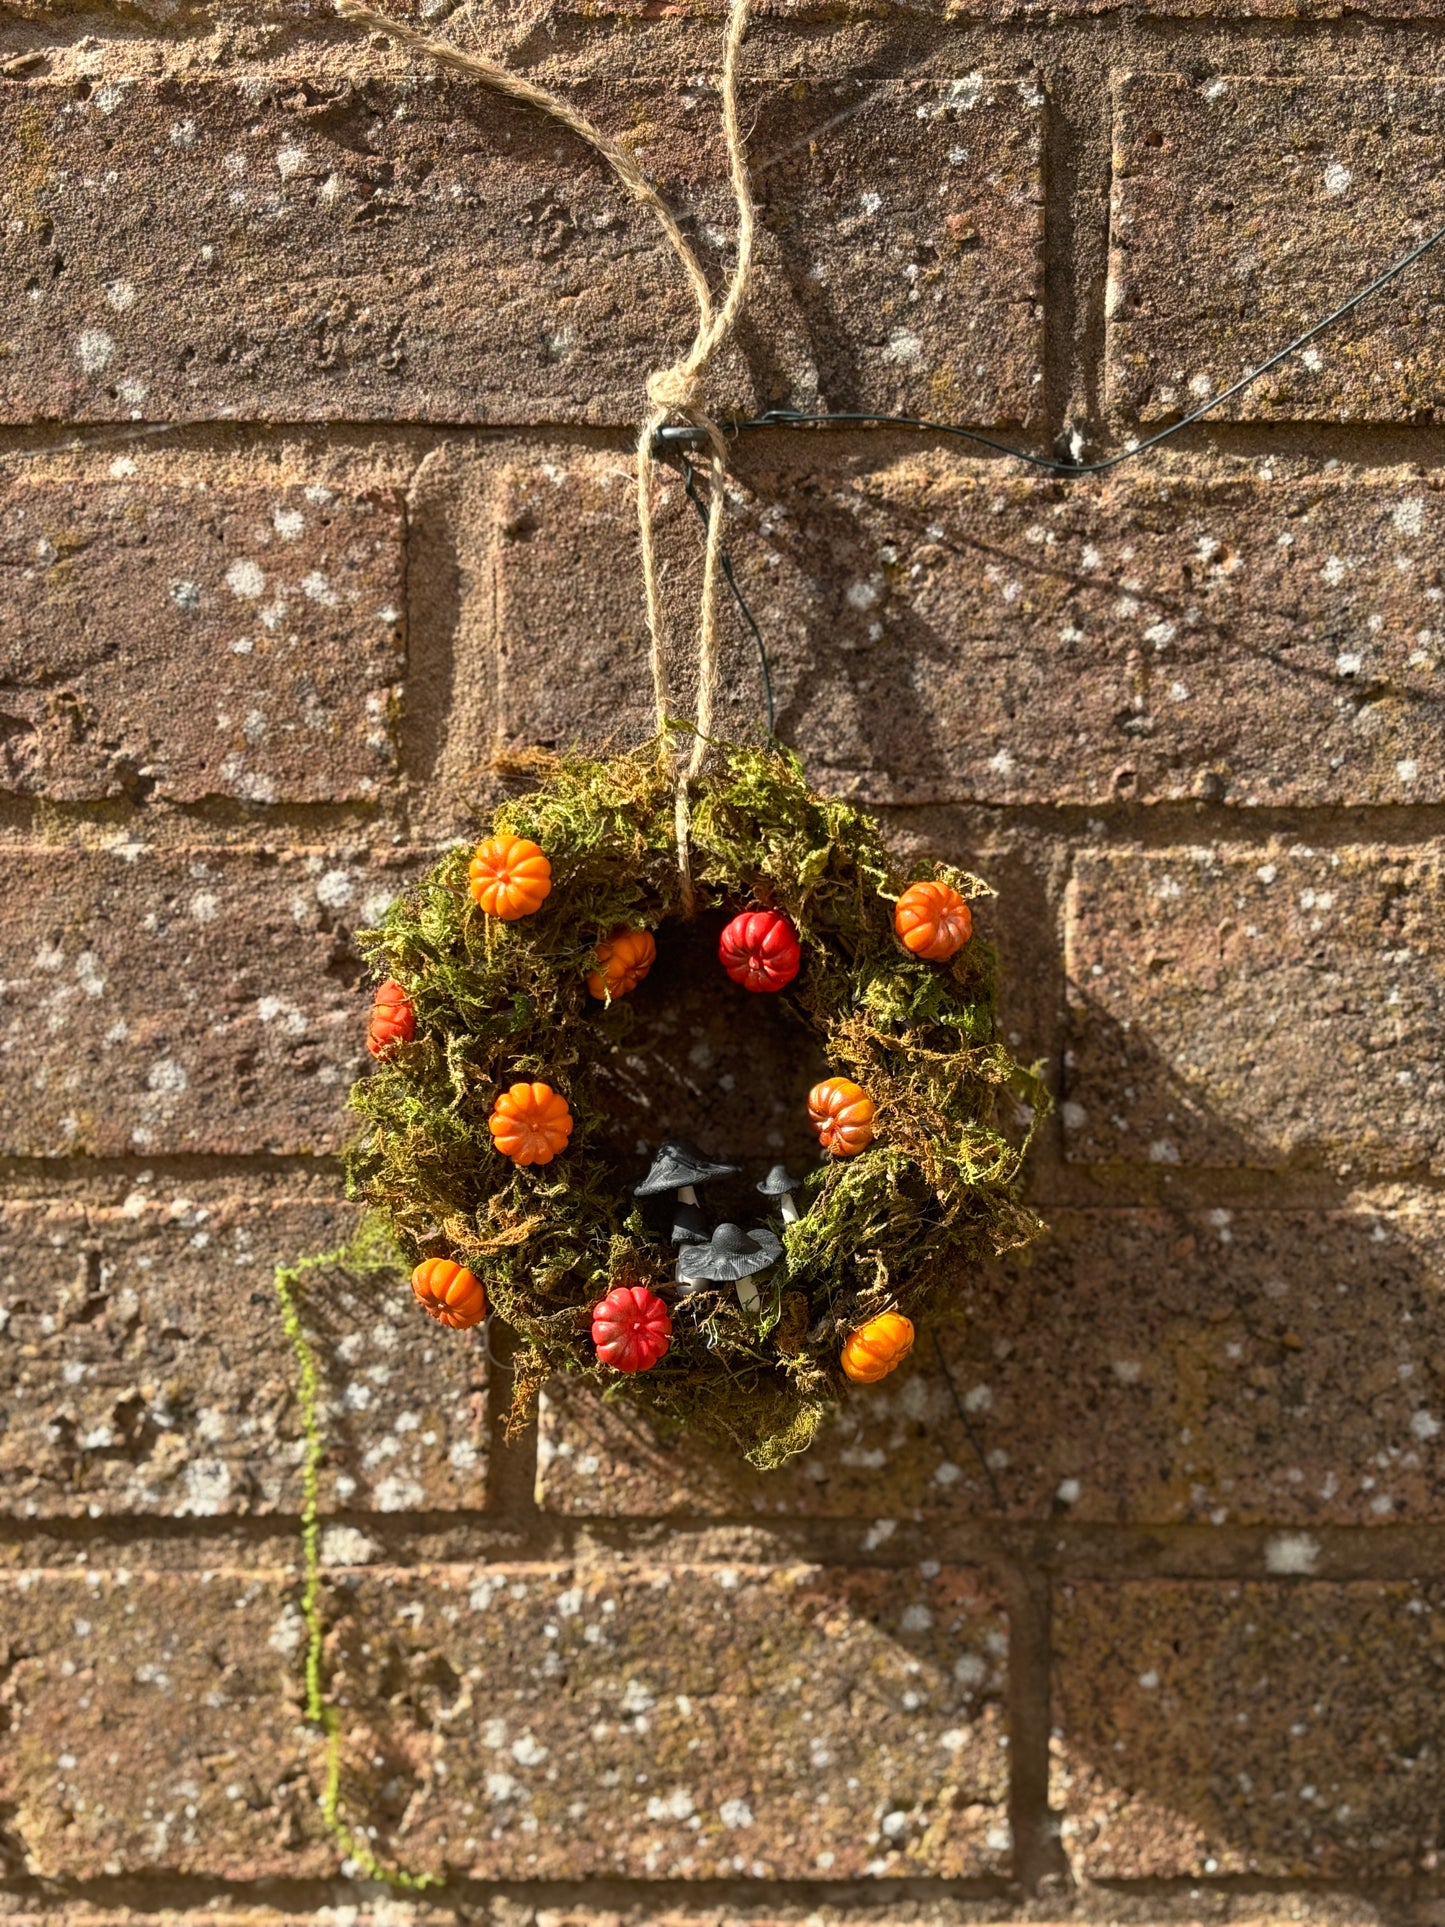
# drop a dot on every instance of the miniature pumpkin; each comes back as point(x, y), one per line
point(631, 1329)
point(530, 1124)
point(759, 950)
point(623, 960)
point(393, 1021)
point(877, 1348)
point(452, 1294)
point(509, 877)
point(933, 920)
point(842, 1113)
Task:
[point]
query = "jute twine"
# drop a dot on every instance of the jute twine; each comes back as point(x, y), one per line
point(676, 390)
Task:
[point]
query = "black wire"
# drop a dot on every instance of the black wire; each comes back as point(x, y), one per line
point(689, 482)
point(966, 1423)
point(686, 434)
point(683, 435)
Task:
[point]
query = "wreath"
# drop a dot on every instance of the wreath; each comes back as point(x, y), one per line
point(489, 1144)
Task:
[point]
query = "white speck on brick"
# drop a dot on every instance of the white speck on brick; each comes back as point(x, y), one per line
point(289, 161)
point(904, 350)
point(208, 1486)
point(289, 524)
point(94, 349)
point(1068, 1491)
point(1291, 1552)
point(346, 1546)
point(735, 1814)
point(1338, 178)
point(396, 1494)
point(317, 589)
point(246, 579)
point(335, 889)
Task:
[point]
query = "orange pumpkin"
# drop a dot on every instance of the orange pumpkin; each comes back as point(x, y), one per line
point(530, 1124)
point(452, 1294)
point(393, 1021)
point(623, 960)
point(509, 877)
point(877, 1348)
point(842, 1113)
point(933, 920)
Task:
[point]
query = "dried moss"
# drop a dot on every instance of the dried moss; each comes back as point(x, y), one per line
point(497, 1001)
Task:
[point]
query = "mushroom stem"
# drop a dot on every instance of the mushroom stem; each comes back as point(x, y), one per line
point(748, 1296)
point(788, 1208)
point(687, 1194)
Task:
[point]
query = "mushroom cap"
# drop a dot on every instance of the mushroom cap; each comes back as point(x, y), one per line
point(732, 1253)
point(678, 1163)
point(778, 1182)
point(687, 1226)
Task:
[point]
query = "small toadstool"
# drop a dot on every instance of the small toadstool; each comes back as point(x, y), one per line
point(687, 1226)
point(780, 1185)
point(680, 1166)
point(731, 1257)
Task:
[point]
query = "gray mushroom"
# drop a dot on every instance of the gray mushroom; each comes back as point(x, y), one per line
point(780, 1185)
point(730, 1257)
point(680, 1166)
point(687, 1226)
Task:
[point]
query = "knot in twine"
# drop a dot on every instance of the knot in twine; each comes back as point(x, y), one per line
point(676, 390)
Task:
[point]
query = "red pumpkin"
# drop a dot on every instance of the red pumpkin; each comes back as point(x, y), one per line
point(759, 950)
point(631, 1329)
point(393, 1021)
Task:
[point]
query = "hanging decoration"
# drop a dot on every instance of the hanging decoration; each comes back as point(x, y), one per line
point(485, 1140)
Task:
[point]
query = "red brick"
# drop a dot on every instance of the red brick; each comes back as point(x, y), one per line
point(163, 1001)
point(236, 641)
point(275, 248)
point(939, 632)
point(1281, 1731)
point(145, 1369)
point(153, 1726)
point(1272, 1006)
point(1244, 210)
point(1148, 1367)
point(686, 1723)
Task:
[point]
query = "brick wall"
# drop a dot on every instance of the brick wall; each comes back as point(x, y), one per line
point(1177, 1656)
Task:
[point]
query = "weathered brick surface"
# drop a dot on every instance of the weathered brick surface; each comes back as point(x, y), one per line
point(1149, 1367)
point(197, 1001)
point(1274, 1006)
point(150, 1727)
point(1287, 1731)
point(225, 641)
point(519, 1723)
point(1245, 209)
point(318, 249)
point(937, 631)
point(145, 1371)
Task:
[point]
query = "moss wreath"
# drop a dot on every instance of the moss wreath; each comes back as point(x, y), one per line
point(496, 1002)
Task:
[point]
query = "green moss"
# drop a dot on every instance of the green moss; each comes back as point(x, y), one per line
point(498, 1001)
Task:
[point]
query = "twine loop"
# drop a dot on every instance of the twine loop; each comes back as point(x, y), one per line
point(680, 389)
